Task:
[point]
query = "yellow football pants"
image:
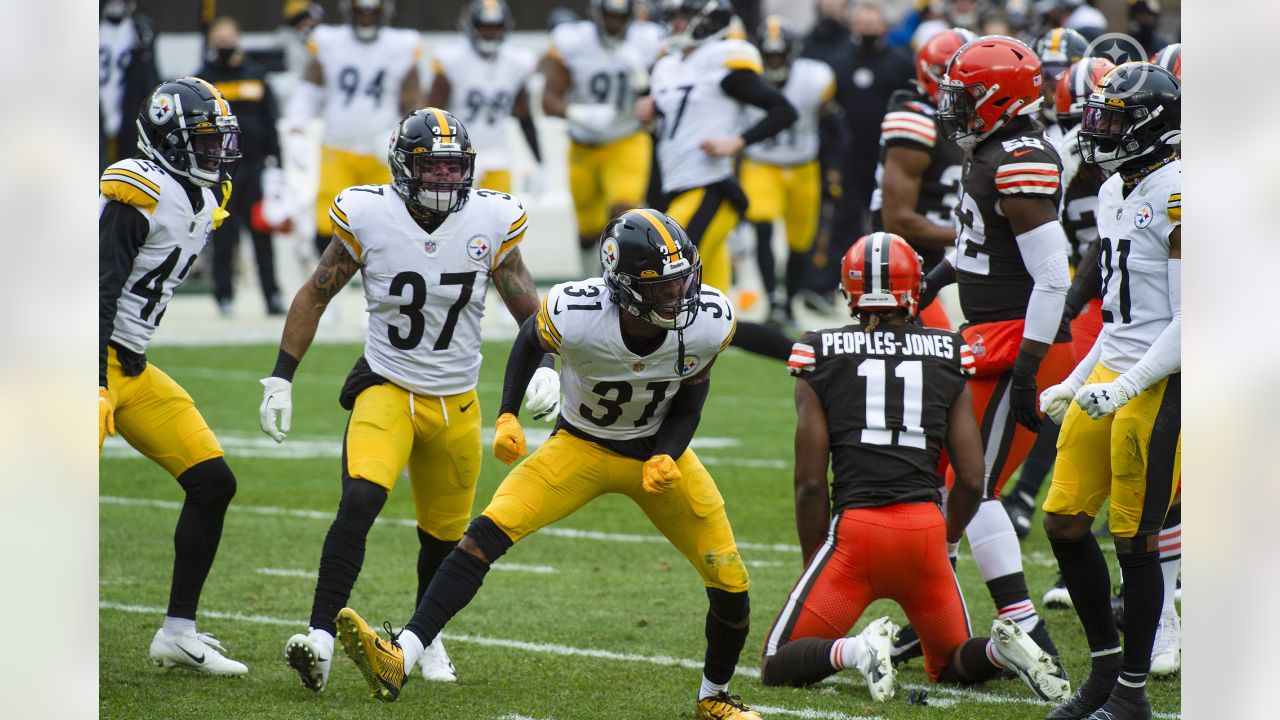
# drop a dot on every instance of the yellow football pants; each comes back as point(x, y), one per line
point(339, 170)
point(1133, 455)
point(438, 437)
point(708, 218)
point(159, 419)
point(499, 180)
point(567, 472)
point(608, 175)
point(793, 194)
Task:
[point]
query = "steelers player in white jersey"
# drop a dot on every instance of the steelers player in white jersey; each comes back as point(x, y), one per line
point(482, 81)
point(636, 348)
point(155, 213)
point(781, 175)
point(697, 92)
point(595, 70)
point(427, 246)
point(363, 76)
point(1120, 409)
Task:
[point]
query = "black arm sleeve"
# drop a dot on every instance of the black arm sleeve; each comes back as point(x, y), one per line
point(748, 87)
point(122, 229)
point(525, 358)
point(834, 138)
point(270, 115)
point(531, 136)
point(682, 419)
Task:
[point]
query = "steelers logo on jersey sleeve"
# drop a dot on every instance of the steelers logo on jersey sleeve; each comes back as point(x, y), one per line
point(478, 247)
point(689, 364)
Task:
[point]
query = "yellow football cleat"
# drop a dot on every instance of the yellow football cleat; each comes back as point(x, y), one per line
point(380, 662)
point(725, 707)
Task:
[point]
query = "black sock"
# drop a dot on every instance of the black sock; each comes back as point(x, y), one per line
point(1087, 579)
point(210, 486)
point(343, 553)
point(453, 587)
point(1038, 463)
point(1008, 589)
point(970, 663)
point(800, 662)
point(797, 263)
point(728, 622)
point(764, 257)
point(431, 552)
point(1143, 601)
point(763, 340)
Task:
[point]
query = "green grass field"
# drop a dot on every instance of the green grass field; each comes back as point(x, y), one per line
point(605, 624)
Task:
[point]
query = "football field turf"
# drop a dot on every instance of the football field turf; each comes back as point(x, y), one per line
point(596, 617)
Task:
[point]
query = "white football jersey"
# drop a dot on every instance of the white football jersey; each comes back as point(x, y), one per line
point(482, 92)
point(362, 84)
point(810, 84)
point(424, 292)
point(693, 108)
point(178, 234)
point(603, 74)
point(1134, 255)
point(610, 392)
point(115, 47)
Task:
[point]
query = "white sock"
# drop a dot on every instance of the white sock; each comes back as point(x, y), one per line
point(993, 543)
point(1170, 560)
point(412, 647)
point(710, 689)
point(178, 626)
point(322, 638)
point(849, 652)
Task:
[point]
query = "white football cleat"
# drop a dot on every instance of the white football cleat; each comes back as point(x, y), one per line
point(879, 673)
point(200, 652)
point(311, 659)
point(1057, 597)
point(1019, 653)
point(1166, 653)
point(435, 663)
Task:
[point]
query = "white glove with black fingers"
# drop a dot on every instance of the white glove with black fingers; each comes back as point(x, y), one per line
point(1102, 399)
point(1055, 401)
point(275, 414)
point(542, 397)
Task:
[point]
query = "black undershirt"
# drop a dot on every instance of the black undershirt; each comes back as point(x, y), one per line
point(749, 87)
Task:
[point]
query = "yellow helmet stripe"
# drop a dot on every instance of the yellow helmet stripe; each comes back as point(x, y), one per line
point(446, 133)
point(222, 103)
point(672, 250)
point(773, 27)
point(1055, 40)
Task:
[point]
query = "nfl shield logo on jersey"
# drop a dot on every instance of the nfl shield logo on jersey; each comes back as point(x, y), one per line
point(478, 246)
point(430, 247)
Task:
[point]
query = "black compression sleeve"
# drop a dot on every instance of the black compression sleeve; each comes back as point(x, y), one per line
point(748, 87)
point(122, 229)
point(531, 137)
point(526, 355)
point(682, 419)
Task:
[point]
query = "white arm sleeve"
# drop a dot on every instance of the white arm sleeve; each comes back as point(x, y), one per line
point(1044, 253)
point(304, 104)
point(1164, 357)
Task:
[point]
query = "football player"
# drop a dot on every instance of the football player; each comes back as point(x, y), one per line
point(482, 81)
point(875, 402)
point(781, 174)
point(919, 173)
point(427, 246)
point(595, 69)
point(698, 90)
point(1011, 265)
point(1058, 49)
point(1121, 407)
point(363, 76)
point(636, 348)
point(155, 213)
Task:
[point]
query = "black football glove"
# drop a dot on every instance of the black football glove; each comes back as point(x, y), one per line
point(1022, 392)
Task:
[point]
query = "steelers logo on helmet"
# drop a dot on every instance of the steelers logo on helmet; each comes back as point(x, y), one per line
point(188, 130)
point(161, 108)
point(1134, 111)
point(609, 253)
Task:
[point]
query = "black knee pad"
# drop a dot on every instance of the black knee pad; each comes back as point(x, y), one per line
point(730, 608)
point(361, 501)
point(209, 483)
point(490, 538)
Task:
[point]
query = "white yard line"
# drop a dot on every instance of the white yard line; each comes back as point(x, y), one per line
point(508, 567)
point(286, 572)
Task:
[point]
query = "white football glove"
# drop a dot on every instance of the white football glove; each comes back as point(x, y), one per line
point(542, 397)
point(299, 151)
point(1055, 401)
point(1102, 399)
point(277, 402)
point(592, 116)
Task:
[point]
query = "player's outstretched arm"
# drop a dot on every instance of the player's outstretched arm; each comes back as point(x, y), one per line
point(813, 449)
point(521, 111)
point(964, 449)
point(554, 93)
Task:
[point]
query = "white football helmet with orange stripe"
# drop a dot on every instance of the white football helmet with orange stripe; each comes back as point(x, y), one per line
point(187, 128)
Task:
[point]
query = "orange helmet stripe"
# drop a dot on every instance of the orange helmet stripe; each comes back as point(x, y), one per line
point(672, 250)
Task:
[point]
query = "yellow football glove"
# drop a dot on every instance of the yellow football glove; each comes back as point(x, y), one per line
point(660, 474)
point(508, 439)
point(106, 416)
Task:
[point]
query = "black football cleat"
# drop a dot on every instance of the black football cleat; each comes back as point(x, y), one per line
point(907, 646)
point(1088, 697)
point(1124, 704)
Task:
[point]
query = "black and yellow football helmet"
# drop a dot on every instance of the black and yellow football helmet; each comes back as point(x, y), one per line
point(432, 160)
point(186, 127)
point(651, 268)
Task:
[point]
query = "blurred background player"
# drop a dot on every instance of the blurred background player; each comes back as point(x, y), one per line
point(482, 82)
point(595, 70)
point(243, 82)
point(919, 174)
point(1013, 274)
point(650, 319)
point(1120, 408)
point(1078, 15)
point(1058, 49)
point(363, 76)
point(782, 175)
point(126, 75)
point(698, 89)
point(412, 393)
point(155, 213)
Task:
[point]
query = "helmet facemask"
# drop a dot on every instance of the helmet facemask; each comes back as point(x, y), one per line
point(958, 112)
point(1107, 135)
point(669, 301)
point(438, 180)
point(204, 155)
